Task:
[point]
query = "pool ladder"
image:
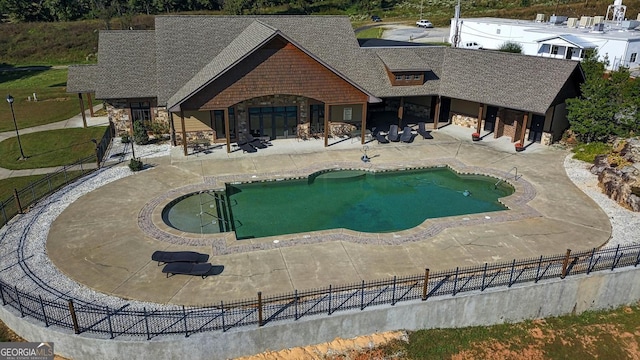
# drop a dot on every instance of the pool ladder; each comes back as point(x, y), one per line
point(515, 177)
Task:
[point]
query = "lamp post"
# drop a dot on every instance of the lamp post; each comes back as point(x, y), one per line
point(15, 125)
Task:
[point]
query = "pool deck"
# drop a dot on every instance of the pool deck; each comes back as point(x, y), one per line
point(101, 241)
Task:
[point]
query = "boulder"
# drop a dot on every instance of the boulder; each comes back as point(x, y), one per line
point(619, 173)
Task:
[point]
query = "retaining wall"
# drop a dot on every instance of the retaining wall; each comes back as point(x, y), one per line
point(574, 294)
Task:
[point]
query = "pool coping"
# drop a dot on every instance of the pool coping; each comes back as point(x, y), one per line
point(151, 223)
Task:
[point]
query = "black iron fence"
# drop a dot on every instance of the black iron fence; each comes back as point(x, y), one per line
point(89, 318)
point(24, 198)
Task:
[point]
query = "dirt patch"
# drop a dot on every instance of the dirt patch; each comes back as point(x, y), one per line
point(362, 347)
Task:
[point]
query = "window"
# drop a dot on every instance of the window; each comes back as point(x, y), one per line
point(399, 77)
point(141, 111)
point(633, 57)
point(347, 114)
point(554, 50)
point(417, 77)
point(408, 77)
point(498, 31)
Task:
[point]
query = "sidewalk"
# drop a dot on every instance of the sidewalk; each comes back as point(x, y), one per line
point(74, 122)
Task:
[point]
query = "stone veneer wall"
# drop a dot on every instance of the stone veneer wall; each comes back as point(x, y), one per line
point(463, 120)
point(120, 115)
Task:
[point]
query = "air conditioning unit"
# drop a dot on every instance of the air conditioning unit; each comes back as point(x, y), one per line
point(572, 22)
point(540, 18)
point(586, 21)
point(557, 20)
point(598, 20)
point(630, 24)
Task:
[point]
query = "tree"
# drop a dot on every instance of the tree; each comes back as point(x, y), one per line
point(511, 47)
point(608, 105)
point(140, 136)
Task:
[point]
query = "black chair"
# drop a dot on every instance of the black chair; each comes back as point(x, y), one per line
point(164, 257)
point(407, 135)
point(187, 268)
point(393, 133)
point(257, 143)
point(246, 147)
point(423, 131)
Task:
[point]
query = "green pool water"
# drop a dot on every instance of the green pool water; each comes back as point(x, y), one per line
point(357, 200)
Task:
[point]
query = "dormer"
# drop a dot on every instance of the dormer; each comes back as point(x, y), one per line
point(404, 68)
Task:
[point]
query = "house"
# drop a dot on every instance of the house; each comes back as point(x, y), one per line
point(558, 37)
point(223, 77)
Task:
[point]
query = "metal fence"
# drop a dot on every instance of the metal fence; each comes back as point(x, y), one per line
point(24, 198)
point(90, 318)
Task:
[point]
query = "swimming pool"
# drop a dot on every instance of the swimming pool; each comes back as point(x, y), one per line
point(372, 202)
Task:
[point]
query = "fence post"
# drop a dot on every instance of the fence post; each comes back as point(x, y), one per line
point(259, 308)
point(74, 319)
point(329, 299)
point(393, 296)
point(295, 301)
point(222, 315)
point(513, 265)
point(593, 251)
point(426, 283)
point(615, 258)
point(106, 308)
point(15, 195)
point(362, 296)
point(637, 259)
point(565, 264)
point(97, 157)
point(455, 282)
point(184, 318)
point(18, 299)
point(44, 314)
point(484, 275)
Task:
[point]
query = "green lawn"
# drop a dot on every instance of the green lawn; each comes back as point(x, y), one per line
point(611, 334)
point(54, 103)
point(50, 148)
point(371, 33)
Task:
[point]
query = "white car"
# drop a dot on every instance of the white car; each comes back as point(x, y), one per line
point(424, 24)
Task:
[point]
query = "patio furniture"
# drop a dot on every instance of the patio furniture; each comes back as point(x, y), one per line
point(187, 268)
point(407, 135)
point(393, 133)
point(381, 138)
point(246, 147)
point(423, 131)
point(163, 257)
point(255, 142)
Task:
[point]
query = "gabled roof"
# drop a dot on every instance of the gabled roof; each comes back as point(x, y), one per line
point(126, 64)
point(568, 39)
point(255, 35)
point(82, 78)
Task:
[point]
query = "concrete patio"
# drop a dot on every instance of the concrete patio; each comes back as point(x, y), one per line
point(98, 242)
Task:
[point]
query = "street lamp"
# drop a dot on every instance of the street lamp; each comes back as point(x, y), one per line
point(15, 125)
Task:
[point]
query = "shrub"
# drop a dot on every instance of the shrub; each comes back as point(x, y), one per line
point(588, 151)
point(511, 47)
point(136, 165)
point(160, 128)
point(125, 139)
point(140, 135)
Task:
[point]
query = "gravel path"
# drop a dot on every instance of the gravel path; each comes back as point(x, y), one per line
point(24, 262)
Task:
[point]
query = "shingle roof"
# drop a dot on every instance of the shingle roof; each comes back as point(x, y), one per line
point(185, 52)
point(127, 65)
point(520, 82)
point(82, 78)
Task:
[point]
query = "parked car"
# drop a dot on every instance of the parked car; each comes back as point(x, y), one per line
point(375, 18)
point(471, 45)
point(424, 23)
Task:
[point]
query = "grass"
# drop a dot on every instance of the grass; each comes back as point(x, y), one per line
point(371, 33)
point(592, 335)
point(54, 103)
point(50, 148)
point(588, 152)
